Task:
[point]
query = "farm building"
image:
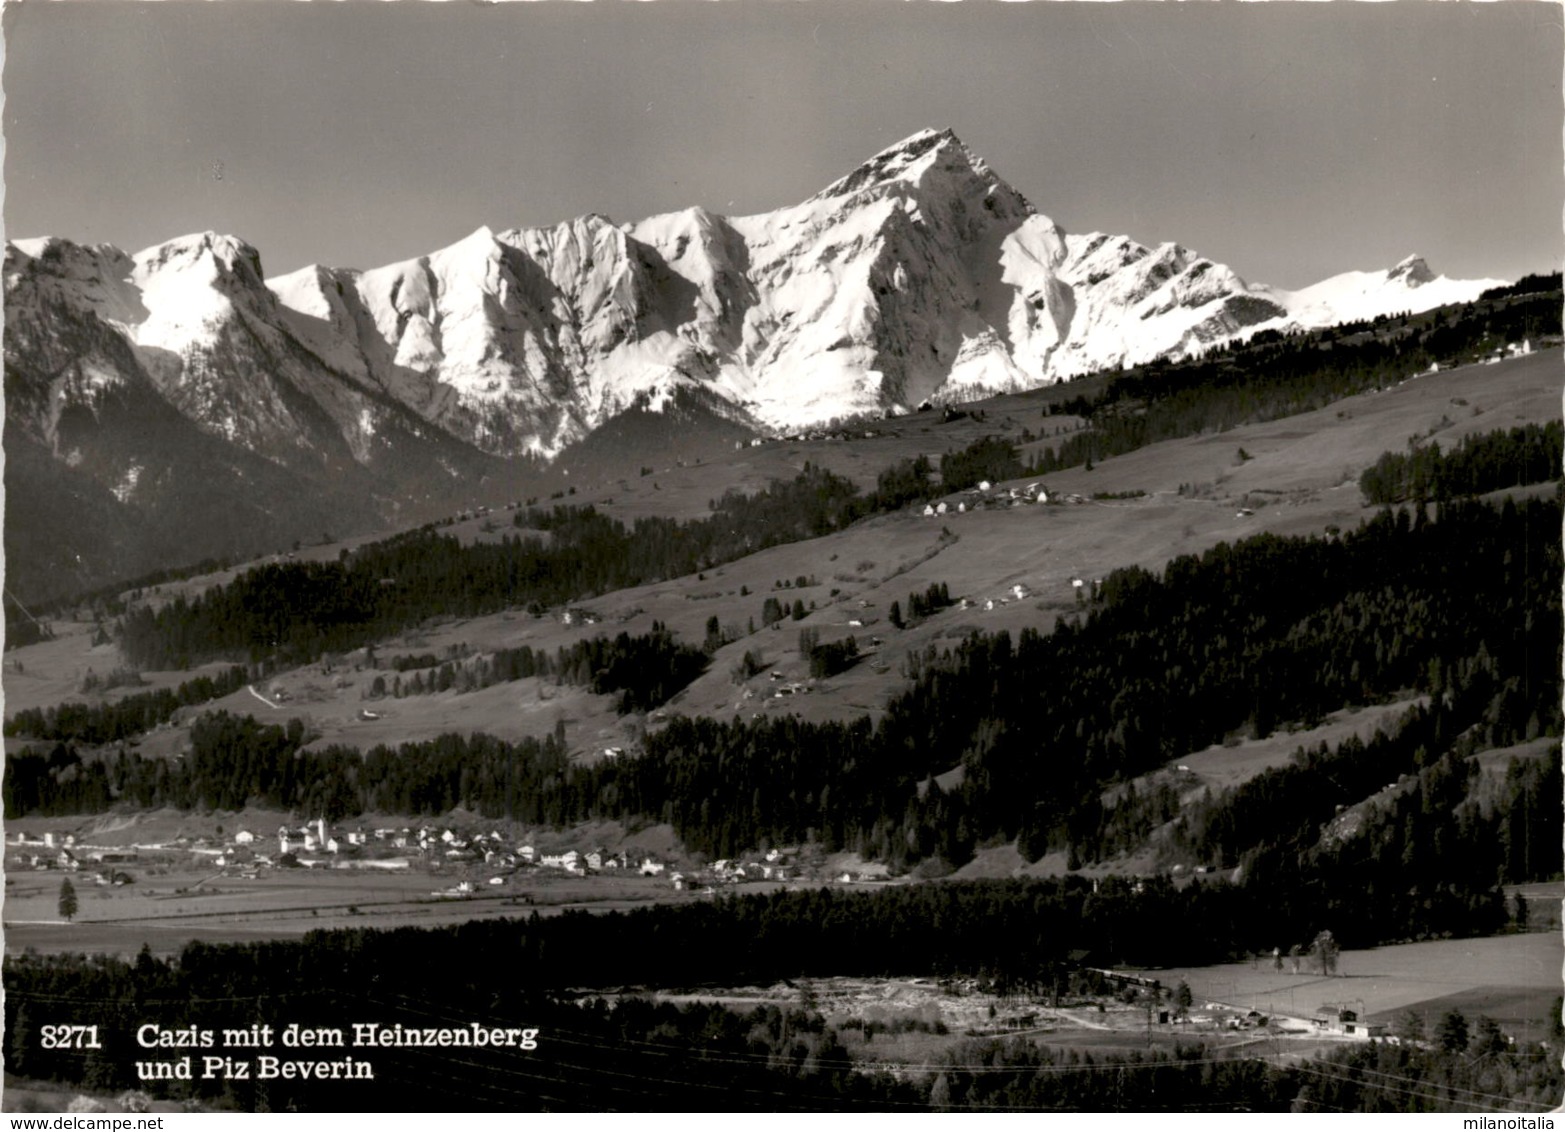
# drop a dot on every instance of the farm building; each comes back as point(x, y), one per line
point(1334, 1018)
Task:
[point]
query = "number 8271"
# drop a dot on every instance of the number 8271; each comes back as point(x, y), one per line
point(70, 1037)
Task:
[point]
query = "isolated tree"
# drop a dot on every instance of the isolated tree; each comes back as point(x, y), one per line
point(895, 615)
point(67, 900)
point(1183, 999)
point(1325, 951)
point(1452, 1034)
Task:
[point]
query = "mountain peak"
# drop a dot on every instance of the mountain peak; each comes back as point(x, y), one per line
point(907, 160)
point(224, 257)
point(1413, 269)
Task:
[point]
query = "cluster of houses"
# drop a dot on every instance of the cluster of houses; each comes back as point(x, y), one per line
point(775, 864)
point(1509, 350)
point(244, 853)
point(445, 844)
point(813, 434)
point(1018, 592)
point(318, 845)
point(786, 687)
point(988, 497)
point(65, 853)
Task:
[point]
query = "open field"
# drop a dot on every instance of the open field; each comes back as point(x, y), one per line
point(54, 671)
point(1498, 761)
point(1226, 765)
point(1518, 975)
point(169, 906)
point(1222, 767)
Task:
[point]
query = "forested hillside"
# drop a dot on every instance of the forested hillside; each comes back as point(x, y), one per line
point(1462, 606)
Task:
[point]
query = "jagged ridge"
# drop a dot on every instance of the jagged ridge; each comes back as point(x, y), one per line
point(919, 275)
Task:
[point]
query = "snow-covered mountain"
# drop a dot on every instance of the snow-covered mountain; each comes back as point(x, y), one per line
point(919, 275)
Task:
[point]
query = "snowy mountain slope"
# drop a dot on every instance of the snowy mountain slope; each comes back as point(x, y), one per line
point(919, 275)
point(157, 411)
point(1355, 295)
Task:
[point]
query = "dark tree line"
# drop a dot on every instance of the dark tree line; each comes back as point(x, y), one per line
point(936, 596)
point(988, 458)
point(1526, 285)
point(94, 724)
point(827, 659)
point(1371, 1077)
point(1480, 463)
point(235, 761)
point(645, 670)
point(294, 612)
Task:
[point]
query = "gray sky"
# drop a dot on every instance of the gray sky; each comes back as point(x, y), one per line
point(1291, 141)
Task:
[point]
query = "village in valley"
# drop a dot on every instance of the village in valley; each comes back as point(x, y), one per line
point(222, 874)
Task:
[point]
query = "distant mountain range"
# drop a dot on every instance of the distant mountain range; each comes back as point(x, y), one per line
point(175, 403)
